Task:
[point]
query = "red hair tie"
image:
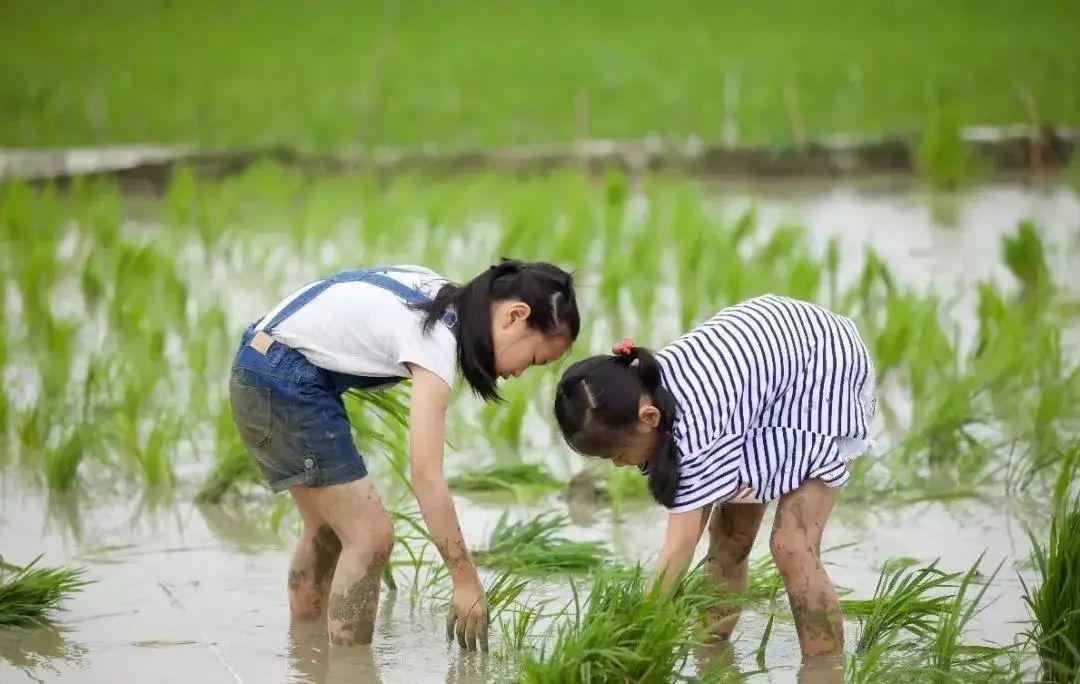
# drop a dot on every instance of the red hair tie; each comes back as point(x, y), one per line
point(623, 348)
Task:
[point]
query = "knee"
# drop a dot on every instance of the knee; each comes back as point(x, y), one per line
point(734, 547)
point(324, 540)
point(371, 538)
point(791, 551)
point(382, 541)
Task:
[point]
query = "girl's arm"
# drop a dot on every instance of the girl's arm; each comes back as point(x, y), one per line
point(683, 532)
point(427, 415)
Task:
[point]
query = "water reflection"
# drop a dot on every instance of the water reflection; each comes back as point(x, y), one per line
point(314, 660)
point(822, 670)
point(36, 651)
point(244, 525)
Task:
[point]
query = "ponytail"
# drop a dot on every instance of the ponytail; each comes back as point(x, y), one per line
point(547, 289)
point(597, 400)
point(663, 467)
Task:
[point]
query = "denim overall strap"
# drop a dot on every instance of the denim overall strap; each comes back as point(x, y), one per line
point(375, 276)
point(343, 382)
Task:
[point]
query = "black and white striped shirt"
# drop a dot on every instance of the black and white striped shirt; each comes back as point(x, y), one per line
point(764, 389)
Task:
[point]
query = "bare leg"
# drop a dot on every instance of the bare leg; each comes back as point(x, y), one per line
point(732, 530)
point(796, 548)
point(356, 515)
point(313, 562)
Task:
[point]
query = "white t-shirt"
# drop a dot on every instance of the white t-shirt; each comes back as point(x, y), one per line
point(362, 329)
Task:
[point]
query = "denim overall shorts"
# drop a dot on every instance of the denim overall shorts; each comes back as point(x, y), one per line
point(290, 412)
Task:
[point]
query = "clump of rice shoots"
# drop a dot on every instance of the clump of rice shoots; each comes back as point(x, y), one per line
point(1025, 257)
point(625, 633)
point(523, 480)
point(943, 158)
point(537, 546)
point(29, 594)
point(912, 630)
point(1054, 603)
point(903, 601)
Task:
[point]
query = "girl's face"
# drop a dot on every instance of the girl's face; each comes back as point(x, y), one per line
point(518, 346)
point(639, 444)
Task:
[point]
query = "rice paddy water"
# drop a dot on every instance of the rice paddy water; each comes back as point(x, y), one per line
point(119, 316)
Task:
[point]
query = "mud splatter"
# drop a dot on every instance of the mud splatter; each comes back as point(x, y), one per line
point(352, 611)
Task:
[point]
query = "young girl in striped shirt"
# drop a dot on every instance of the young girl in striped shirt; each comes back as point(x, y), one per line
point(768, 400)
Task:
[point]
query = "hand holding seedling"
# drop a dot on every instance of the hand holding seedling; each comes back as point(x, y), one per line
point(468, 618)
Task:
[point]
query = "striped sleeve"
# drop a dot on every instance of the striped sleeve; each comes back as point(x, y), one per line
point(709, 475)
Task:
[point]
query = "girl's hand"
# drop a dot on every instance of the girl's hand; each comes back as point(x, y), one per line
point(683, 532)
point(468, 618)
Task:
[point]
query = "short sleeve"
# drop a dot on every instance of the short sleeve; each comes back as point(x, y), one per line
point(434, 351)
point(710, 474)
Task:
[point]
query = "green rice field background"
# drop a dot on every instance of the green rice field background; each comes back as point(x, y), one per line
point(478, 74)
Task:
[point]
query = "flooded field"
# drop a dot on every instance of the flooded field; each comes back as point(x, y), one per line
point(120, 315)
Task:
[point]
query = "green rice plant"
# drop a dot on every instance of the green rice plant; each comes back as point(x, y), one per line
point(503, 422)
point(763, 579)
point(624, 486)
point(943, 158)
point(948, 656)
point(29, 594)
point(379, 419)
point(875, 283)
point(1054, 603)
point(523, 480)
point(625, 633)
point(518, 630)
point(536, 546)
point(60, 462)
point(4, 402)
point(1025, 256)
point(912, 630)
point(903, 601)
point(503, 589)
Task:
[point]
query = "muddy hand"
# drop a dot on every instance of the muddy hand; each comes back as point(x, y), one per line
point(468, 618)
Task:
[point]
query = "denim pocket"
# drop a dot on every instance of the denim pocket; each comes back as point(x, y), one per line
point(252, 412)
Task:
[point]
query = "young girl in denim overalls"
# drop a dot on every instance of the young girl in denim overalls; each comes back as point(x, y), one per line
point(366, 330)
point(768, 400)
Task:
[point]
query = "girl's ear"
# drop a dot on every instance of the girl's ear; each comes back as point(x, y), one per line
point(517, 311)
point(649, 415)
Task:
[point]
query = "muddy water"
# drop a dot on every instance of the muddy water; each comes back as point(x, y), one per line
point(185, 594)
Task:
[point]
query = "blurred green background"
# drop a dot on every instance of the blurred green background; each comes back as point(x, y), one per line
point(325, 75)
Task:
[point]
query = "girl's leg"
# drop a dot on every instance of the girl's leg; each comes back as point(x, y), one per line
point(796, 548)
point(313, 561)
point(356, 516)
point(732, 530)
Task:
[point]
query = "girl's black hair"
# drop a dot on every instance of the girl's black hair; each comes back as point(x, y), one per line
point(597, 401)
point(547, 289)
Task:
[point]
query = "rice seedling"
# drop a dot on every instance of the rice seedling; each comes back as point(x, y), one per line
point(503, 589)
point(943, 158)
point(1054, 603)
point(536, 546)
point(948, 655)
point(60, 463)
point(903, 602)
point(624, 633)
point(522, 480)
point(1024, 255)
point(913, 629)
point(29, 594)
